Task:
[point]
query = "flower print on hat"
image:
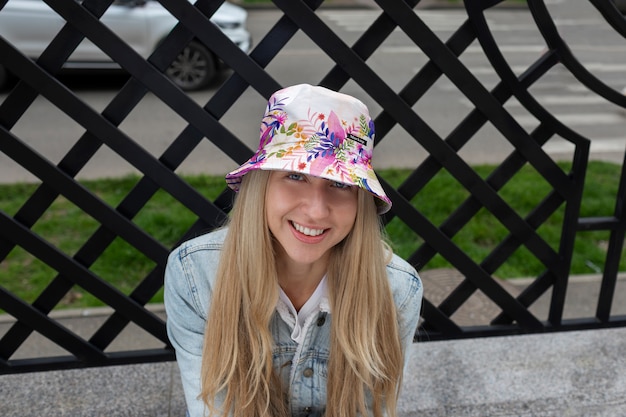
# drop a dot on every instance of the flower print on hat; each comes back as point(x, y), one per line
point(319, 132)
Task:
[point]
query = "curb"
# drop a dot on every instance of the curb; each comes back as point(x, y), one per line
point(432, 276)
point(371, 4)
point(88, 312)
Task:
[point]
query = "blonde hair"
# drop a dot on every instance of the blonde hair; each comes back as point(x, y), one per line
point(365, 351)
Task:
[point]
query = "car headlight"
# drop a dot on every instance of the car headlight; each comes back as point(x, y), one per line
point(228, 25)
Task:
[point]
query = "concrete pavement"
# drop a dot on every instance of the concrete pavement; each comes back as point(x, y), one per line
point(579, 373)
point(557, 374)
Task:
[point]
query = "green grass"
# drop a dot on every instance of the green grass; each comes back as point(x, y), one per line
point(524, 192)
point(68, 228)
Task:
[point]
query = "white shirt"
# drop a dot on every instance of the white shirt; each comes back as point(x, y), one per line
point(298, 319)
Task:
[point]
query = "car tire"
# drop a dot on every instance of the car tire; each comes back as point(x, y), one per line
point(194, 67)
point(621, 5)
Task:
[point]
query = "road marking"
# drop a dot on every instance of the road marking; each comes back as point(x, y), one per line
point(554, 100)
point(563, 100)
point(575, 119)
point(359, 20)
point(579, 22)
point(414, 49)
point(525, 49)
point(604, 67)
point(596, 146)
point(448, 20)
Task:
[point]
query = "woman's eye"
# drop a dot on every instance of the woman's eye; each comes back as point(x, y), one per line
point(294, 176)
point(341, 185)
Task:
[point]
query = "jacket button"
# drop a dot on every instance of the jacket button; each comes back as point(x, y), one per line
point(321, 320)
point(308, 372)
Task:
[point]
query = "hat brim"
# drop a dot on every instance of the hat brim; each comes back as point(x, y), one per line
point(368, 180)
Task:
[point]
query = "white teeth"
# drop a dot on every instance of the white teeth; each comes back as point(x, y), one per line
point(306, 230)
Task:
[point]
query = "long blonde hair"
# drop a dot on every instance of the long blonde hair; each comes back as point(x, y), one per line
point(365, 351)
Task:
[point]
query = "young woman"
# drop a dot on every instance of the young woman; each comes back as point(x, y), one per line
point(296, 307)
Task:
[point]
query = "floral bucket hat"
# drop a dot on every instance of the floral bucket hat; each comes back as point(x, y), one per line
point(318, 132)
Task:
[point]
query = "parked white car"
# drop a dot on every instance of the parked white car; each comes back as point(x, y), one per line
point(30, 25)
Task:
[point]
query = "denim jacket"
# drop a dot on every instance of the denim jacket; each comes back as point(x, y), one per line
point(189, 280)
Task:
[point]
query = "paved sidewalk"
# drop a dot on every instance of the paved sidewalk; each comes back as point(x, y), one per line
point(556, 374)
point(577, 374)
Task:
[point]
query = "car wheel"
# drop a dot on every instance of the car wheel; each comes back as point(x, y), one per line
point(621, 5)
point(194, 68)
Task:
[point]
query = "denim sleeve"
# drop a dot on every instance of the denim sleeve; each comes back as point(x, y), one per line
point(409, 316)
point(407, 292)
point(185, 328)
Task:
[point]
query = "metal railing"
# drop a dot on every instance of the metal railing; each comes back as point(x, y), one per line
point(37, 79)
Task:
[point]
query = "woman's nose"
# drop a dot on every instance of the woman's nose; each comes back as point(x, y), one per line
point(318, 201)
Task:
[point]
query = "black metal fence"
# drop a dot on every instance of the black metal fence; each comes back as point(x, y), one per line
point(37, 80)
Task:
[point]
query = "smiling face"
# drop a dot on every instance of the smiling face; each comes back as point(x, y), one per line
point(307, 217)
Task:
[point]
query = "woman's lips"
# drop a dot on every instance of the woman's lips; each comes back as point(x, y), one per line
point(308, 231)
